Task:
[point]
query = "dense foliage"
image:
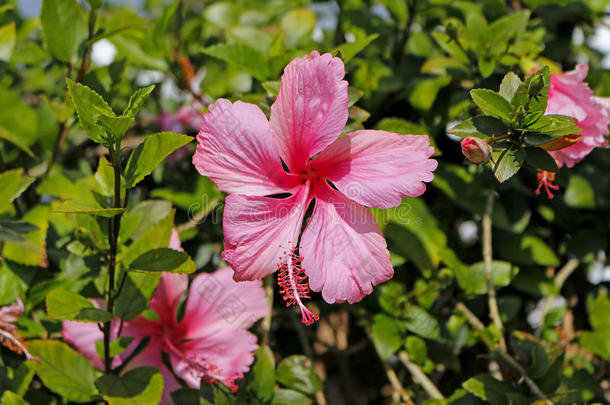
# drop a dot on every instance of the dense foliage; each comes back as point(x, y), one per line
point(500, 268)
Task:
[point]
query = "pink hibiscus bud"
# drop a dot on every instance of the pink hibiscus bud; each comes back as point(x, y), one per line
point(476, 150)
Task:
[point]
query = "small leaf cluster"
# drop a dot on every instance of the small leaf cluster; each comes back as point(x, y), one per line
point(516, 126)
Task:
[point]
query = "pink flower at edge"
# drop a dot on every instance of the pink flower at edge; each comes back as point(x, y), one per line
point(9, 336)
point(210, 343)
point(342, 249)
point(570, 95)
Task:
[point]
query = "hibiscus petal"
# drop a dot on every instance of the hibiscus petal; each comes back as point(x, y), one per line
point(378, 168)
point(258, 229)
point(83, 336)
point(229, 351)
point(570, 95)
point(167, 296)
point(311, 108)
point(237, 151)
point(344, 252)
point(151, 357)
point(216, 302)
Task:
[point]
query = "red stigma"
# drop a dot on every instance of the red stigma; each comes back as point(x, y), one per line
point(294, 285)
point(546, 179)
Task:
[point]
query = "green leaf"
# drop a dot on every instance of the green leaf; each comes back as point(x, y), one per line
point(296, 372)
point(17, 141)
point(483, 127)
point(145, 158)
point(555, 125)
point(540, 159)
point(420, 322)
point(241, 56)
point(416, 349)
point(136, 101)
point(351, 49)
point(136, 294)
point(64, 371)
point(23, 376)
point(12, 184)
point(298, 24)
point(528, 250)
point(139, 386)
point(88, 106)
point(115, 126)
point(289, 397)
point(139, 218)
point(163, 260)
point(74, 207)
point(487, 65)
point(473, 279)
point(70, 306)
point(7, 41)
point(262, 383)
point(510, 84)
point(10, 398)
point(579, 193)
point(15, 231)
point(509, 162)
point(33, 250)
point(423, 95)
point(492, 103)
point(272, 87)
point(487, 388)
point(387, 334)
point(64, 28)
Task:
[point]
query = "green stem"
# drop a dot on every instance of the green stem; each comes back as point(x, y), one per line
point(114, 225)
point(400, 45)
point(494, 313)
point(478, 326)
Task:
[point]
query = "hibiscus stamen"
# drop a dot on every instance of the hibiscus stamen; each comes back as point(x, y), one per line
point(15, 342)
point(546, 179)
point(294, 285)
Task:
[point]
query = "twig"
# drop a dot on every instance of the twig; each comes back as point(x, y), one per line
point(559, 280)
point(478, 326)
point(396, 385)
point(420, 377)
point(406, 32)
point(59, 143)
point(492, 301)
point(84, 63)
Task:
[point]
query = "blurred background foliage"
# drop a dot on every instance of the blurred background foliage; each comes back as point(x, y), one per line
point(410, 65)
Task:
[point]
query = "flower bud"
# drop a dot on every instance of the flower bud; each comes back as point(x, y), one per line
point(476, 150)
point(452, 30)
point(536, 85)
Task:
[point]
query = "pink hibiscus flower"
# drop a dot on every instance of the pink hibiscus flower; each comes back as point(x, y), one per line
point(9, 336)
point(210, 343)
point(342, 249)
point(570, 95)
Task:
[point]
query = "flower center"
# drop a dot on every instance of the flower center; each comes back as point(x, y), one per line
point(198, 366)
point(293, 283)
point(546, 179)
